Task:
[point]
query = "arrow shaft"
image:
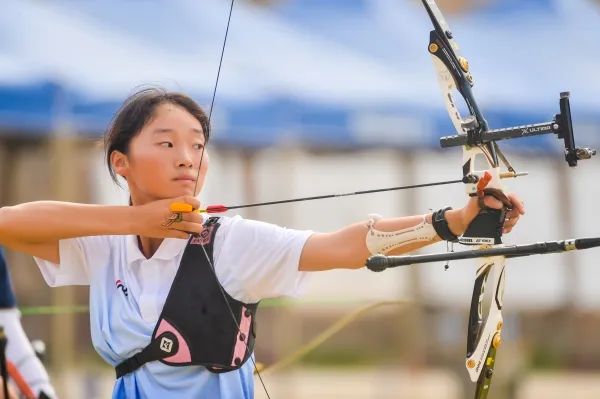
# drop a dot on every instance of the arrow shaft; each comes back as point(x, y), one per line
point(225, 208)
point(326, 196)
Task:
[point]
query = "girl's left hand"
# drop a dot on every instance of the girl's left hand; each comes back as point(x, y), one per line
point(471, 210)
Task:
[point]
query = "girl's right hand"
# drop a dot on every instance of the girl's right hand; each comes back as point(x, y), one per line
point(155, 219)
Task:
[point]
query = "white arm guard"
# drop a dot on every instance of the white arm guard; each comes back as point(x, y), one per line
point(381, 242)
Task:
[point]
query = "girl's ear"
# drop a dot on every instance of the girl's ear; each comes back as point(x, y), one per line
point(120, 163)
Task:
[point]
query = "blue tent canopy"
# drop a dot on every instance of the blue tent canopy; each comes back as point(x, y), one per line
point(28, 107)
point(335, 73)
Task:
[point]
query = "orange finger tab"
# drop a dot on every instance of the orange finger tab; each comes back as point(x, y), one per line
point(181, 207)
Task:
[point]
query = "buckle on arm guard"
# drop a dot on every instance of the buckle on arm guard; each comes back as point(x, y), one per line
point(440, 224)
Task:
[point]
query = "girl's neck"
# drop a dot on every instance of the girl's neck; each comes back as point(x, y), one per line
point(148, 246)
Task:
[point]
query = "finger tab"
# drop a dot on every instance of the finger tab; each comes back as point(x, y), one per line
point(180, 207)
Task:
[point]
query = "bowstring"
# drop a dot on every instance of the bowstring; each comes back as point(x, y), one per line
point(214, 94)
point(212, 267)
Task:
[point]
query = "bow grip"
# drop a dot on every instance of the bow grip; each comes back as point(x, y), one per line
point(486, 228)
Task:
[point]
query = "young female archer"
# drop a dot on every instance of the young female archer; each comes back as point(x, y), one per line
point(173, 294)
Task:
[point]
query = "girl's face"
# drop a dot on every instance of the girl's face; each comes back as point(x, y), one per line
point(164, 157)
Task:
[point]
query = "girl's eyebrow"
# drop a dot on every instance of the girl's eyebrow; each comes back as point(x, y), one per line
point(169, 130)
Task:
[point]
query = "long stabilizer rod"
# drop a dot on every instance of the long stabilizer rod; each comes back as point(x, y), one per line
point(378, 263)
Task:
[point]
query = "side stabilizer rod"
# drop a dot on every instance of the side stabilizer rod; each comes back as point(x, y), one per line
point(378, 263)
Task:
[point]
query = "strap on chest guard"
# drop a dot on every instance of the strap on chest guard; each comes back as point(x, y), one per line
point(195, 326)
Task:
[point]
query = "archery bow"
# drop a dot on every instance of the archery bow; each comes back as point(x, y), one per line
point(485, 316)
point(483, 334)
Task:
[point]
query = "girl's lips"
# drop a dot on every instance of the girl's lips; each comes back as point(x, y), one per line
point(185, 178)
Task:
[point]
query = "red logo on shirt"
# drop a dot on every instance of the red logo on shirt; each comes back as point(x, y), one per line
point(120, 285)
point(204, 237)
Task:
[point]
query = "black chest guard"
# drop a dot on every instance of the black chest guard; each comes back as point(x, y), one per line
point(196, 326)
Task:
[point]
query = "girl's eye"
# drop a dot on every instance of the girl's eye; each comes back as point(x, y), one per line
point(198, 146)
point(166, 144)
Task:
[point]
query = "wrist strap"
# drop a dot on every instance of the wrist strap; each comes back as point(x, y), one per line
point(440, 225)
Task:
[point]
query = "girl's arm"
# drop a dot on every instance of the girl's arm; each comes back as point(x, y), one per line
point(36, 227)
point(347, 248)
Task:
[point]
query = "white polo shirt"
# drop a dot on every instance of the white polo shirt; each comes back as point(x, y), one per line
point(253, 261)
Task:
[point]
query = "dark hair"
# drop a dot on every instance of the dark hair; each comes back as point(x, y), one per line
point(137, 110)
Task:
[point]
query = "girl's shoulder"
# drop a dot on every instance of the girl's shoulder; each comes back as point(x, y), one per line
point(112, 247)
point(103, 243)
point(238, 222)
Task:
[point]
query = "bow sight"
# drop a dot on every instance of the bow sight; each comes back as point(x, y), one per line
point(562, 126)
point(454, 73)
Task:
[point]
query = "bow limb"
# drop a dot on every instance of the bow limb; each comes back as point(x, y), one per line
point(485, 314)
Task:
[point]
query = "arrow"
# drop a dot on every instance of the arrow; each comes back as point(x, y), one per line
point(219, 208)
